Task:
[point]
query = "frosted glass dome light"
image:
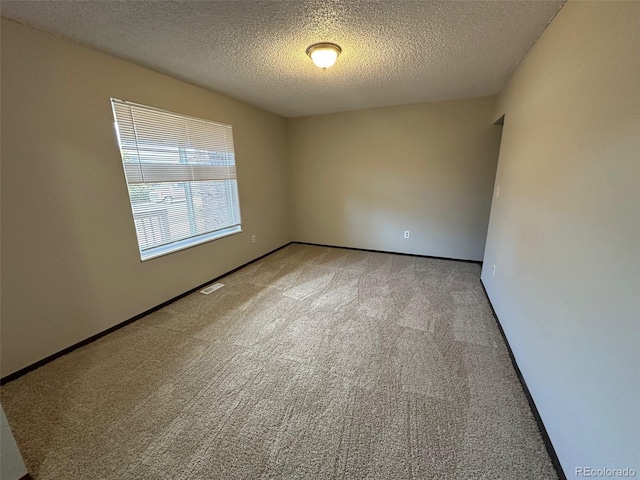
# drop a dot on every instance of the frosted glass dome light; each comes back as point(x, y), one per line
point(324, 54)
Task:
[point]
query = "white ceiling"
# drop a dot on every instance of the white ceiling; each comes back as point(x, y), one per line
point(393, 51)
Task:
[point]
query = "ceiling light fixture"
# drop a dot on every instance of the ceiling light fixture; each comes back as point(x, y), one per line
point(324, 54)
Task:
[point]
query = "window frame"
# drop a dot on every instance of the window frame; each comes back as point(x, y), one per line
point(196, 239)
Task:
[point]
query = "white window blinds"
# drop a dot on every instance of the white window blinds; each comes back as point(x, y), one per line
point(181, 176)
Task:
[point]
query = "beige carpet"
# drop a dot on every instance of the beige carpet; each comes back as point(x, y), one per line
point(312, 363)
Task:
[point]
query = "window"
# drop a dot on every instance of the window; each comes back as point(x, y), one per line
point(181, 176)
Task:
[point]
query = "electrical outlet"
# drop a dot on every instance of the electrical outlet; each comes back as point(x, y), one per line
point(493, 271)
point(253, 239)
point(407, 234)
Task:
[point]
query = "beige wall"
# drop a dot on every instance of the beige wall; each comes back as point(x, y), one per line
point(70, 261)
point(564, 233)
point(360, 179)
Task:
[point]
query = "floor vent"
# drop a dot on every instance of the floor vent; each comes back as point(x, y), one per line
point(211, 288)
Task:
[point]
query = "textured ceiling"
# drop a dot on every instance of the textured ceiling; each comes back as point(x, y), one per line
point(393, 52)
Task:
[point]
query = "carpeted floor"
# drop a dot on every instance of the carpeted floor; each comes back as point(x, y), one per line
point(312, 363)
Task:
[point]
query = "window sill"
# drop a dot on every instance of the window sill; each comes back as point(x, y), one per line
point(188, 243)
